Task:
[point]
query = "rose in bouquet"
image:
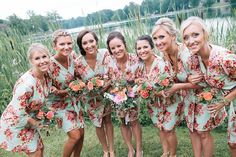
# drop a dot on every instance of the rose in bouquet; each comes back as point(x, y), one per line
point(47, 118)
point(210, 96)
point(163, 83)
point(95, 88)
point(145, 93)
point(76, 88)
point(213, 97)
point(122, 95)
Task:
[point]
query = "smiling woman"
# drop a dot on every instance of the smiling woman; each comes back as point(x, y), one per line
point(29, 95)
point(218, 68)
point(67, 107)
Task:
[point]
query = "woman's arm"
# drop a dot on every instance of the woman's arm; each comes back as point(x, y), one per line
point(180, 86)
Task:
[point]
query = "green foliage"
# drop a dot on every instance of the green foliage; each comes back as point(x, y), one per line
point(5, 95)
point(53, 145)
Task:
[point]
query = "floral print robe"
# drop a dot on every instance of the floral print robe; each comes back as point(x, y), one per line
point(29, 96)
point(130, 73)
point(164, 116)
point(196, 114)
point(221, 73)
point(95, 113)
point(68, 111)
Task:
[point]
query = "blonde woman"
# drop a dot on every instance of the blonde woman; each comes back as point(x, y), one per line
point(19, 125)
point(218, 69)
point(62, 72)
point(176, 55)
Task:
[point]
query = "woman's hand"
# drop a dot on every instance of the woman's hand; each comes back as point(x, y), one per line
point(35, 123)
point(196, 78)
point(60, 93)
point(106, 87)
point(172, 90)
point(215, 108)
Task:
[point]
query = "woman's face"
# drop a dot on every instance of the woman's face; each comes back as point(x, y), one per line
point(117, 48)
point(40, 61)
point(89, 44)
point(163, 40)
point(64, 45)
point(194, 38)
point(143, 49)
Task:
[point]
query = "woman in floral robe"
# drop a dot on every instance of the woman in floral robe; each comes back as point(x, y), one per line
point(92, 63)
point(164, 36)
point(62, 72)
point(19, 127)
point(125, 68)
point(165, 114)
point(218, 66)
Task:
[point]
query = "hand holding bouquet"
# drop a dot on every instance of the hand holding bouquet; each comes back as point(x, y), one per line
point(214, 98)
point(46, 117)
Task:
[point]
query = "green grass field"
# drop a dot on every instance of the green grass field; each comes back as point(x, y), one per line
point(151, 143)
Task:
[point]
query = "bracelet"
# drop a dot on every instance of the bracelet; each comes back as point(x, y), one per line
point(225, 102)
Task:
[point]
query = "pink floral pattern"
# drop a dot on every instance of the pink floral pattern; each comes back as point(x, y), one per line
point(95, 111)
point(28, 96)
point(199, 115)
point(165, 116)
point(61, 78)
point(221, 74)
point(130, 73)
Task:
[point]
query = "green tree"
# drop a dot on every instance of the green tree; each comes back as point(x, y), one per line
point(119, 15)
point(54, 20)
point(38, 23)
point(18, 24)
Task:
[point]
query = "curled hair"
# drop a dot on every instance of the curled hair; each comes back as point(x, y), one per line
point(59, 33)
point(37, 47)
point(80, 37)
point(147, 38)
point(113, 35)
point(167, 24)
point(194, 20)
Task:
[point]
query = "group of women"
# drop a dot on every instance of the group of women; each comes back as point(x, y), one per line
point(192, 66)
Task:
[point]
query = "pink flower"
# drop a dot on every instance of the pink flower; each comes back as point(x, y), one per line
point(120, 97)
point(131, 94)
point(90, 85)
point(50, 115)
point(40, 115)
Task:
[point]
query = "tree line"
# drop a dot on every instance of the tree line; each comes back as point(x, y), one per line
point(52, 21)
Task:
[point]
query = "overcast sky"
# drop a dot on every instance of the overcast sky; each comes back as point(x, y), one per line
point(65, 8)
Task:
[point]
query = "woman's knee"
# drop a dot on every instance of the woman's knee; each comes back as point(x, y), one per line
point(169, 132)
point(204, 134)
point(232, 145)
point(74, 135)
point(134, 123)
